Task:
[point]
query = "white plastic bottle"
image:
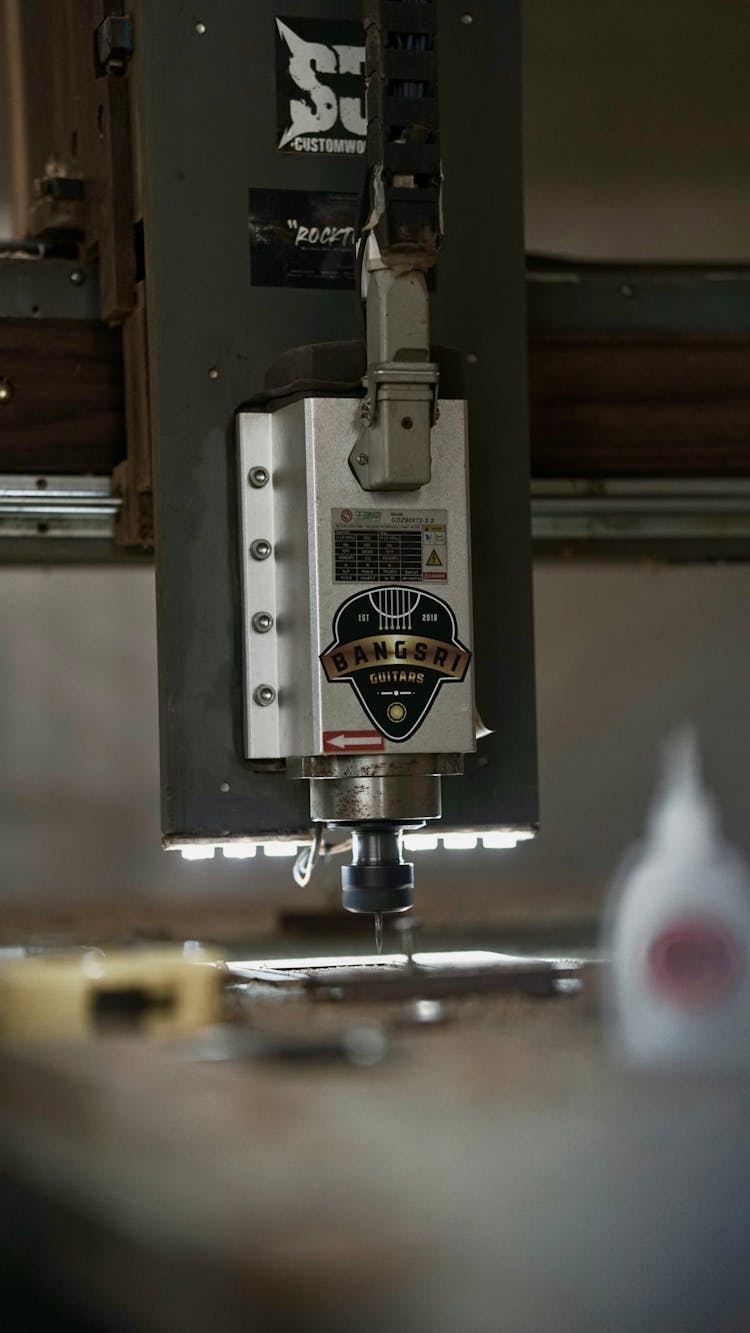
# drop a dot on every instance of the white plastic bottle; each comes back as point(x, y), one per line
point(679, 933)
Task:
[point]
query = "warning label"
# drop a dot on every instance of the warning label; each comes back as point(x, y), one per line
point(390, 545)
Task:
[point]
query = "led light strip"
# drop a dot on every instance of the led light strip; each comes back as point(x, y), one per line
point(499, 840)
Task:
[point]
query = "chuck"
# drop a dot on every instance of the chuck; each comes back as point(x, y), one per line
point(378, 880)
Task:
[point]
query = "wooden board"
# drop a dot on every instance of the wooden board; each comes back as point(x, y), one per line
point(66, 410)
point(640, 405)
point(602, 405)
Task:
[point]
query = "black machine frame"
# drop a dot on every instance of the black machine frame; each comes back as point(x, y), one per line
point(205, 107)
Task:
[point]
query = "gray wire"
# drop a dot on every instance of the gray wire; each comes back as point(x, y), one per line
point(308, 858)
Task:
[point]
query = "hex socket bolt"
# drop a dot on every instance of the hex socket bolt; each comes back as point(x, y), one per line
point(262, 622)
point(264, 695)
point(258, 476)
point(260, 549)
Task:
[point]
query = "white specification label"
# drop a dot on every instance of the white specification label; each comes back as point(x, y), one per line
point(390, 545)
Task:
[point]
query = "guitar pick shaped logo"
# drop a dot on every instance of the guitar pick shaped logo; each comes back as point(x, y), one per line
point(396, 647)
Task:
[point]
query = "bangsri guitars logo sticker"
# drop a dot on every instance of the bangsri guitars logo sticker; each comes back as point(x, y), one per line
point(396, 647)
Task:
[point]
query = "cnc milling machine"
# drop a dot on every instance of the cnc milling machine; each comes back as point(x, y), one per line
point(284, 247)
point(308, 228)
point(371, 658)
point(354, 506)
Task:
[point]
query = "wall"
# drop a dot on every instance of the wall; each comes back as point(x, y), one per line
point(4, 185)
point(637, 142)
point(637, 135)
point(637, 128)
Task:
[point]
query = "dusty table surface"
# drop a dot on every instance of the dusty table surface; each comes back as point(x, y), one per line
point(496, 1172)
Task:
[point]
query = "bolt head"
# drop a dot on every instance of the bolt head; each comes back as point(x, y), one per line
point(213, 373)
point(362, 460)
point(200, 28)
point(264, 695)
point(262, 622)
point(260, 549)
point(258, 476)
point(77, 277)
point(6, 391)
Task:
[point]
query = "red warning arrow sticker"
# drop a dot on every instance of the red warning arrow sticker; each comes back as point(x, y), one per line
point(353, 742)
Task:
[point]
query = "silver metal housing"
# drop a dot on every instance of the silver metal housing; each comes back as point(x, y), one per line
point(305, 447)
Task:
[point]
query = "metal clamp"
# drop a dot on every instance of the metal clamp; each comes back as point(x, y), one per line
point(409, 374)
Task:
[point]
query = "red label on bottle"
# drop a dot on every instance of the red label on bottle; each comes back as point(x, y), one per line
point(695, 962)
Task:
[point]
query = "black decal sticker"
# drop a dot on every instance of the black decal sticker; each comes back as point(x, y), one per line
point(396, 647)
point(320, 86)
point(300, 238)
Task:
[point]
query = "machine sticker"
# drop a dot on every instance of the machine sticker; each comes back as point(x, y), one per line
point(395, 647)
point(302, 238)
point(359, 742)
point(390, 545)
point(320, 87)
